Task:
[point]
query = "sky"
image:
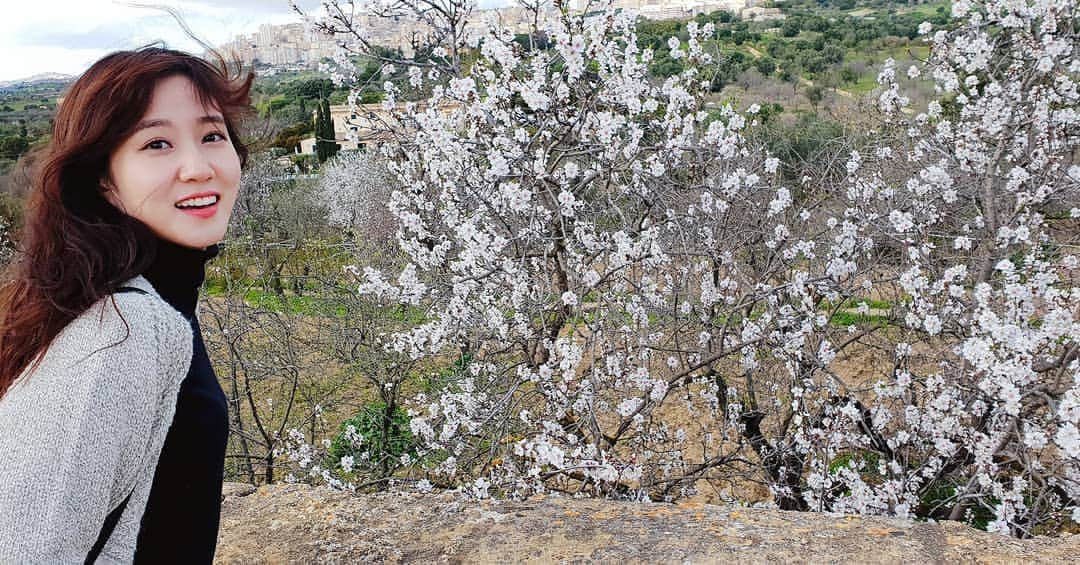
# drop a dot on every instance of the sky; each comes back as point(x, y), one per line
point(66, 36)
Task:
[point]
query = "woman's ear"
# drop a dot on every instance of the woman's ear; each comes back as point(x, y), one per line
point(108, 190)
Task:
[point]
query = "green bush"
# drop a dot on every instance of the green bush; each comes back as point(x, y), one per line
point(939, 497)
point(446, 378)
point(361, 437)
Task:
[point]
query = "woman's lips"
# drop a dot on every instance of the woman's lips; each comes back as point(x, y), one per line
point(204, 212)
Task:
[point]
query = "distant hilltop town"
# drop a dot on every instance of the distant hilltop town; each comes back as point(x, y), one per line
point(291, 46)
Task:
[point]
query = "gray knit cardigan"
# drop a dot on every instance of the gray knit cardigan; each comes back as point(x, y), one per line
point(85, 430)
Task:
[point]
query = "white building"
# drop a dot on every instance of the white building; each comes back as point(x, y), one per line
point(354, 129)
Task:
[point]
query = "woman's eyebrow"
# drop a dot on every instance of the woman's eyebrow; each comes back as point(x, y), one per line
point(146, 124)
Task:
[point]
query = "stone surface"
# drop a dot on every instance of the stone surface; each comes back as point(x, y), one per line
point(301, 524)
point(236, 489)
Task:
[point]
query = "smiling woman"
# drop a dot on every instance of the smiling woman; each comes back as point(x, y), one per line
point(178, 172)
point(114, 425)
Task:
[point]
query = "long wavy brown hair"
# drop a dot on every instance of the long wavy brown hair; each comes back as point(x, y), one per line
point(77, 248)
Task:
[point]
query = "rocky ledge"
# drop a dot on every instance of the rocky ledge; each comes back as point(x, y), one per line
point(301, 524)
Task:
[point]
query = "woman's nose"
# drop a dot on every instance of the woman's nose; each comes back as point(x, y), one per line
point(195, 166)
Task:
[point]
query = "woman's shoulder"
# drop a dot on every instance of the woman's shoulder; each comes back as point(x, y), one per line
point(130, 342)
point(137, 298)
point(137, 303)
point(135, 323)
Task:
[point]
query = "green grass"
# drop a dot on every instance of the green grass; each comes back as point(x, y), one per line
point(925, 10)
point(21, 105)
point(845, 319)
point(409, 314)
point(307, 305)
point(312, 305)
point(867, 83)
point(903, 52)
point(846, 316)
point(258, 298)
point(854, 303)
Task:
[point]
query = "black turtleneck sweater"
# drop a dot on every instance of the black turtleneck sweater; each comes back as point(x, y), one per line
point(180, 524)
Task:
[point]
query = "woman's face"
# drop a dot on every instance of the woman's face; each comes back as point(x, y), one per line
point(178, 173)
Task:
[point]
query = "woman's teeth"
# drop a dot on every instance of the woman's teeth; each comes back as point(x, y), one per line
point(197, 202)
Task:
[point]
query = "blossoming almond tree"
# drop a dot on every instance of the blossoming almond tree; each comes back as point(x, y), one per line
point(641, 300)
point(986, 228)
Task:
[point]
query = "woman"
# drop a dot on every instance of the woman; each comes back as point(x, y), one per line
point(112, 423)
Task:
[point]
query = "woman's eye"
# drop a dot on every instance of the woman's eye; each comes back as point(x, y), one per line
point(216, 136)
point(157, 144)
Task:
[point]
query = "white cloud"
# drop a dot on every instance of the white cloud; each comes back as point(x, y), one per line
point(29, 61)
point(66, 36)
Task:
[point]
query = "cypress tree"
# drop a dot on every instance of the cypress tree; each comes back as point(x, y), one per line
point(325, 147)
point(320, 130)
point(331, 146)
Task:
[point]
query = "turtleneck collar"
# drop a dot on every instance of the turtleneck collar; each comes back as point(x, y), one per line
point(177, 273)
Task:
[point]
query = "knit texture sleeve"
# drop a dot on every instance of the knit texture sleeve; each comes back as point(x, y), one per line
point(80, 432)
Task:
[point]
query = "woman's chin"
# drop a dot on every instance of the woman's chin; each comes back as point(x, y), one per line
point(201, 241)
